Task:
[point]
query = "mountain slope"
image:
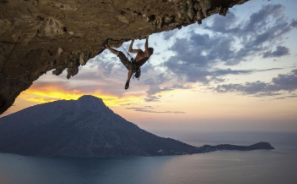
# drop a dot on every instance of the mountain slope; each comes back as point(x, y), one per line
point(85, 128)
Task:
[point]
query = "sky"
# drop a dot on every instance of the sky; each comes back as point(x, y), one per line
point(234, 73)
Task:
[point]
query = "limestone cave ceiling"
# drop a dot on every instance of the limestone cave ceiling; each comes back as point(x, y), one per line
point(41, 35)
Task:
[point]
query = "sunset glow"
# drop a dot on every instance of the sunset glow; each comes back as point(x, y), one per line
point(52, 93)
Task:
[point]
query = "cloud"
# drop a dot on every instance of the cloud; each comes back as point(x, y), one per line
point(229, 42)
point(285, 97)
point(140, 45)
point(152, 99)
point(259, 25)
point(206, 75)
point(44, 85)
point(279, 52)
point(200, 50)
point(286, 82)
point(264, 28)
point(85, 75)
point(247, 88)
point(169, 34)
point(228, 71)
point(149, 109)
point(160, 81)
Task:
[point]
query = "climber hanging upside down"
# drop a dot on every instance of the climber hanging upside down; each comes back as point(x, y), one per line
point(134, 65)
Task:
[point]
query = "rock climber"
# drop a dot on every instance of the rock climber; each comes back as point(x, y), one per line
point(134, 65)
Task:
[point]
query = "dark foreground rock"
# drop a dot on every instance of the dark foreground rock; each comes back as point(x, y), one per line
point(87, 128)
point(37, 36)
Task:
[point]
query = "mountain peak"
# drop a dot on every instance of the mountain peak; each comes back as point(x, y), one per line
point(90, 103)
point(89, 98)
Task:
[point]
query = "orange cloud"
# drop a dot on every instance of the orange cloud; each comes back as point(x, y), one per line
point(53, 92)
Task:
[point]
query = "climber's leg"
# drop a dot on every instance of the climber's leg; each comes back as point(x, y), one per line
point(111, 49)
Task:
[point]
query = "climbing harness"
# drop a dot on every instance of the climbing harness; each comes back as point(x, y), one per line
point(131, 59)
point(133, 62)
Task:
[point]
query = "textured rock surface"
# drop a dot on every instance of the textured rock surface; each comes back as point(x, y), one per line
point(37, 36)
point(87, 128)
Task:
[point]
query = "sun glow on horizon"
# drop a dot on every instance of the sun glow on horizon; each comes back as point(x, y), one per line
point(52, 93)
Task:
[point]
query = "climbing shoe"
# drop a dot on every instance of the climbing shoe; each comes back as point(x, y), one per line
point(127, 85)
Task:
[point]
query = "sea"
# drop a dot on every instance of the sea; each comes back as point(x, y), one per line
point(277, 166)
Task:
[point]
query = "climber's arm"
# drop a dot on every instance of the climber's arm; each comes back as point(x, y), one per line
point(146, 47)
point(131, 49)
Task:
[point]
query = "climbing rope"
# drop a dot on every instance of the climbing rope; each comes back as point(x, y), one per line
point(131, 58)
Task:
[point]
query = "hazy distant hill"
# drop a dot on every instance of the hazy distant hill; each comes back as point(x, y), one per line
point(87, 128)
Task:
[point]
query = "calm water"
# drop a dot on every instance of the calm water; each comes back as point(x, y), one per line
point(257, 167)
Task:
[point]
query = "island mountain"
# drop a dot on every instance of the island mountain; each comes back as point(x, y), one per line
point(88, 128)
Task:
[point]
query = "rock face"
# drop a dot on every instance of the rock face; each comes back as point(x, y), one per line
point(37, 36)
point(87, 128)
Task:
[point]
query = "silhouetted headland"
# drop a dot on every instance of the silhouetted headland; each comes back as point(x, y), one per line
point(88, 128)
